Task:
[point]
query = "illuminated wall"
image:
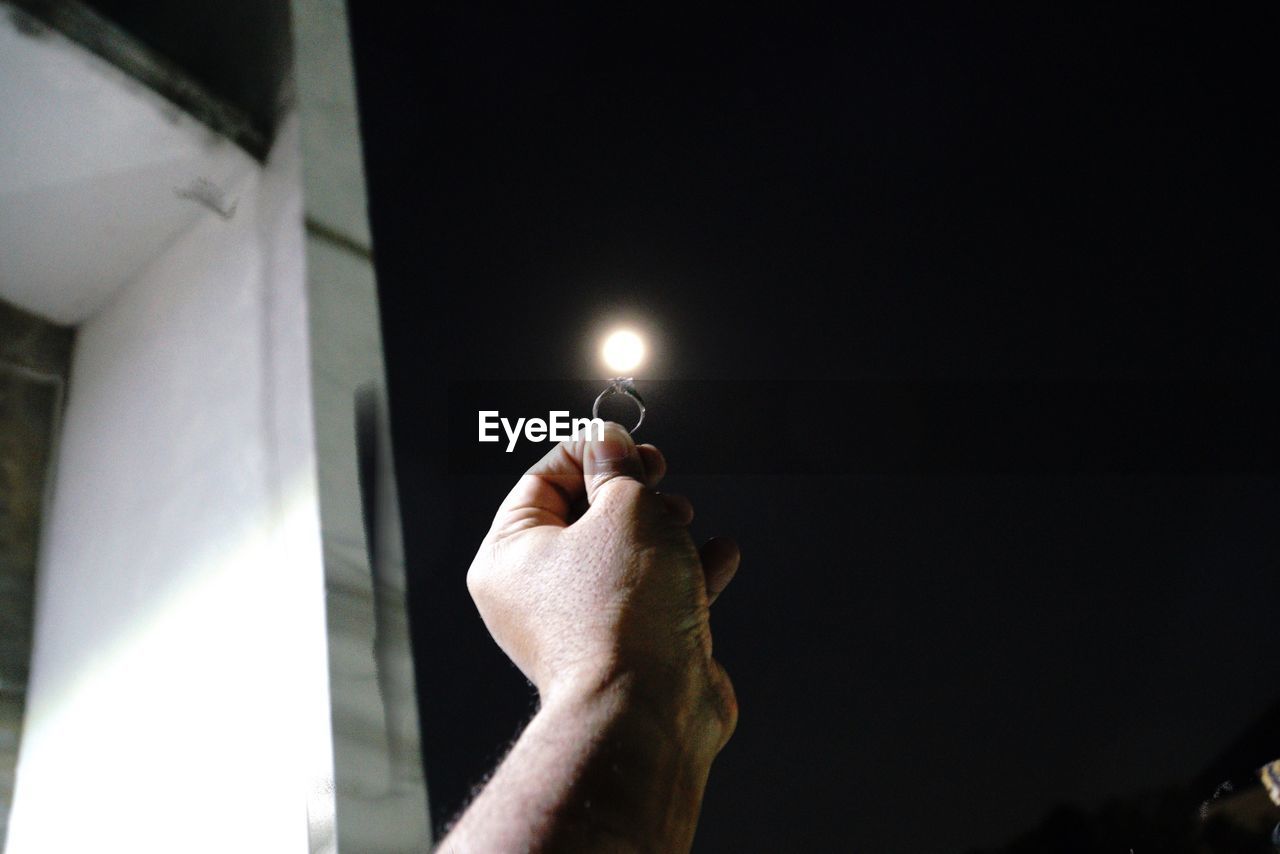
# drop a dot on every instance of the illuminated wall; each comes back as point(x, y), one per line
point(221, 655)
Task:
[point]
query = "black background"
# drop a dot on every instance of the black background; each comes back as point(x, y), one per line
point(1047, 215)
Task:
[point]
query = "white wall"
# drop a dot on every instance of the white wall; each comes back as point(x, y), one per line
point(178, 698)
point(215, 668)
point(92, 165)
point(381, 796)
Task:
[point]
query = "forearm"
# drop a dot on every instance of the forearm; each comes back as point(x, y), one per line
point(609, 769)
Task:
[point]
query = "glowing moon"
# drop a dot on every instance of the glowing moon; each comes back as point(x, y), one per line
point(623, 351)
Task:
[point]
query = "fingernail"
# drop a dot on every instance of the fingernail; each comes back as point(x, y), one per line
point(616, 444)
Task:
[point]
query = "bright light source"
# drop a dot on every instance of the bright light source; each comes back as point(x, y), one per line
point(623, 351)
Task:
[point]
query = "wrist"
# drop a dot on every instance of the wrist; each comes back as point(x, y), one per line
point(684, 710)
point(646, 759)
point(613, 764)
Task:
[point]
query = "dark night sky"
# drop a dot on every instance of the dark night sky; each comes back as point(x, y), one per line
point(935, 637)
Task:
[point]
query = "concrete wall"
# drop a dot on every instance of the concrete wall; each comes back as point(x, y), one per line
point(178, 697)
point(98, 174)
point(381, 794)
point(222, 655)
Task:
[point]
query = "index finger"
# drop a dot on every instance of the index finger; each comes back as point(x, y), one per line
point(547, 492)
point(571, 471)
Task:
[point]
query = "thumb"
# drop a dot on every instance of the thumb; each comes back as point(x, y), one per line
point(609, 458)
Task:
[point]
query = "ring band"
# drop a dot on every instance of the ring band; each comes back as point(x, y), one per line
point(620, 385)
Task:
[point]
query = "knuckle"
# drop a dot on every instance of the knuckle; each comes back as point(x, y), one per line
point(726, 702)
point(481, 569)
point(620, 488)
point(474, 583)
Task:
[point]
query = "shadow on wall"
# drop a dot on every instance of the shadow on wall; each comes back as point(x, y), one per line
point(34, 356)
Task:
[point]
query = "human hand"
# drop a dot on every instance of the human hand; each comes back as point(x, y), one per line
point(588, 580)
